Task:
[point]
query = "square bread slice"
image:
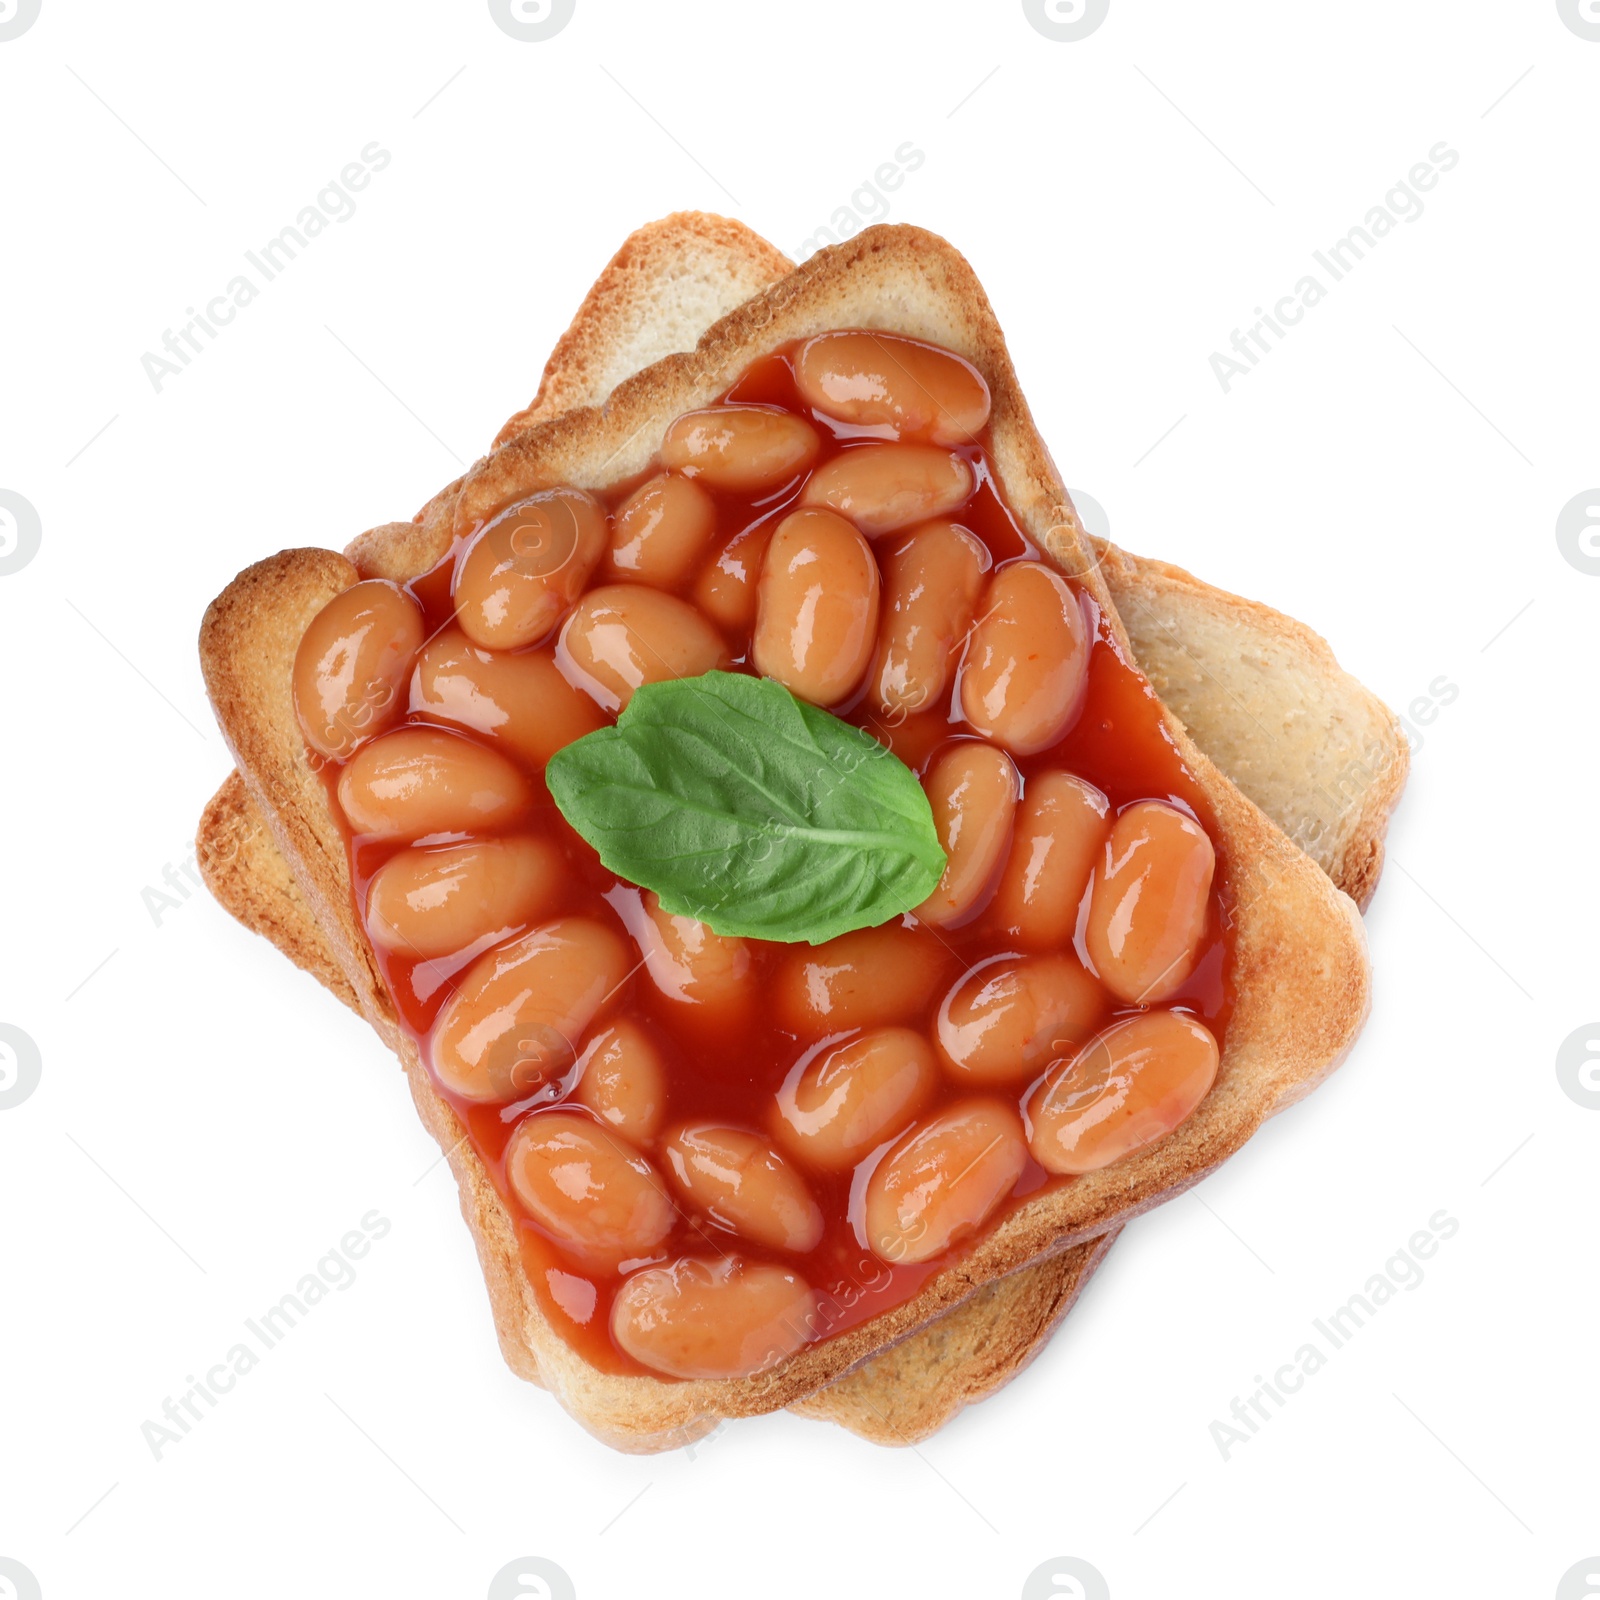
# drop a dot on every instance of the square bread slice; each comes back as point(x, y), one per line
point(402, 535)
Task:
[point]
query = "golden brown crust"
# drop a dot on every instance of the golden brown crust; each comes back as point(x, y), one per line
point(378, 553)
point(248, 639)
point(667, 284)
point(1299, 961)
point(913, 1388)
point(249, 878)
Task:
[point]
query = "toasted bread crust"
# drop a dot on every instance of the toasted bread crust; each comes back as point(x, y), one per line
point(909, 1391)
point(667, 284)
point(249, 878)
point(1299, 961)
point(247, 642)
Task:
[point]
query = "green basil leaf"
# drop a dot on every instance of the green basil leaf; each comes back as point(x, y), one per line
point(750, 810)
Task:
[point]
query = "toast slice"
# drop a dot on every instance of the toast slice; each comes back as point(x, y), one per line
point(1293, 932)
point(670, 280)
point(657, 291)
point(643, 290)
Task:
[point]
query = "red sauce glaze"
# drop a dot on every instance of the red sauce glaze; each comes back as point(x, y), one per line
point(1117, 743)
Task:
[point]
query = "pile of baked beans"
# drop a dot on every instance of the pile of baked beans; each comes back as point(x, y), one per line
point(719, 1149)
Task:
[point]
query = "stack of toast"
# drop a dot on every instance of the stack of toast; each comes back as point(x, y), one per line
point(1301, 765)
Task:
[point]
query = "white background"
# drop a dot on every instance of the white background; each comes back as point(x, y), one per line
point(209, 1122)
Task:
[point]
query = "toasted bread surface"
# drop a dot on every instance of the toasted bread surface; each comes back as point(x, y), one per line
point(1293, 936)
point(667, 284)
point(249, 878)
point(1266, 700)
point(909, 1391)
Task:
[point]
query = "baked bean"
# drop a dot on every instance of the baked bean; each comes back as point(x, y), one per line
point(520, 702)
point(351, 663)
point(622, 1080)
point(930, 589)
point(524, 568)
point(973, 790)
point(1147, 902)
point(712, 1319)
point(1129, 1086)
point(623, 635)
point(691, 964)
point(1027, 662)
point(428, 903)
point(943, 1180)
point(840, 1104)
point(1008, 1017)
point(887, 380)
point(859, 980)
point(729, 583)
point(418, 781)
point(881, 487)
point(1060, 827)
point(659, 531)
point(588, 1187)
point(741, 449)
point(515, 1016)
point(743, 1184)
point(818, 607)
